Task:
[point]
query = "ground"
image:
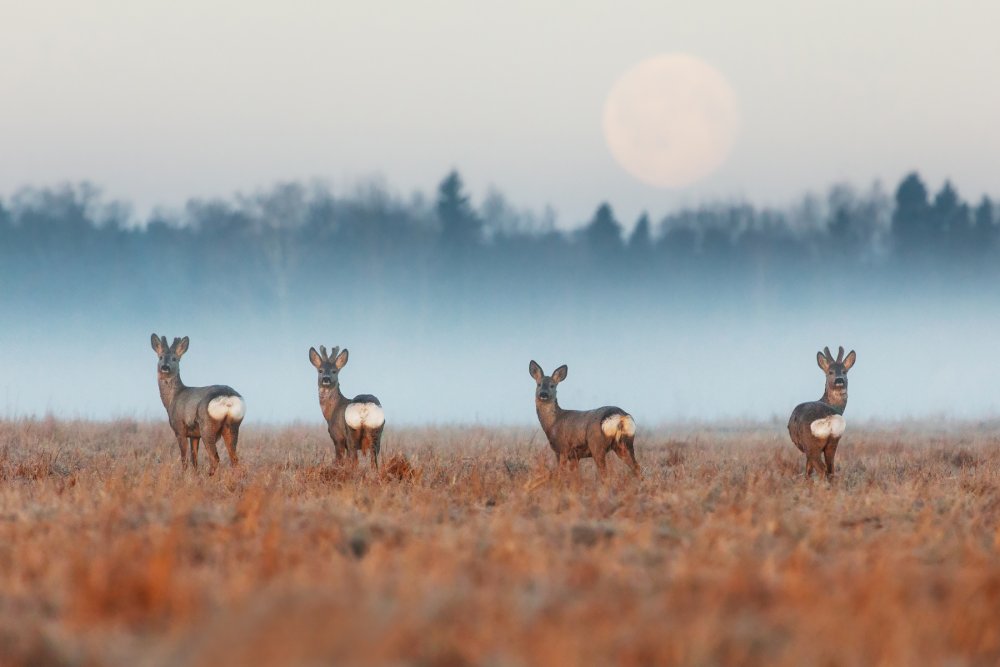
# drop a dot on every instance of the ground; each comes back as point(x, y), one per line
point(466, 551)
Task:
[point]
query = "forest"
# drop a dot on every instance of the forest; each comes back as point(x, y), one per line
point(272, 251)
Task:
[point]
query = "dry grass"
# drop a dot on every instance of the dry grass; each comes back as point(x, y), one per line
point(467, 552)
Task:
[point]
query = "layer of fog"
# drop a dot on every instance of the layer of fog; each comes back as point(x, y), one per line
point(917, 358)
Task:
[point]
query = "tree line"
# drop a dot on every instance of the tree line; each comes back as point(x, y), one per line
point(277, 245)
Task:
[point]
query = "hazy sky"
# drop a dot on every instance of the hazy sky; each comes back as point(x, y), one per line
point(159, 101)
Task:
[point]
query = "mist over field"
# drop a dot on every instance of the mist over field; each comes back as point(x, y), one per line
point(714, 312)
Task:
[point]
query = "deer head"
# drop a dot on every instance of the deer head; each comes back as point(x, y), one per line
point(545, 385)
point(835, 369)
point(168, 358)
point(328, 365)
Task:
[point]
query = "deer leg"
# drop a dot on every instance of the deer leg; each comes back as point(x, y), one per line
point(194, 451)
point(373, 440)
point(182, 444)
point(210, 437)
point(231, 436)
point(352, 447)
point(367, 440)
point(600, 459)
point(829, 453)
point(814, 459)
point(560, 462)
point(626, 452)
point(340, 450)
point(565, 463)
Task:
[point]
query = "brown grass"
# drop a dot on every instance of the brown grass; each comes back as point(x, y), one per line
point(466, 551)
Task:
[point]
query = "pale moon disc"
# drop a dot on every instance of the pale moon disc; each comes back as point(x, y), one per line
point(671, 120)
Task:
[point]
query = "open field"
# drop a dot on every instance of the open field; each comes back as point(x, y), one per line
point(110, 554)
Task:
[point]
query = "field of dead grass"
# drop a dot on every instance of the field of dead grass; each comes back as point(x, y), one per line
point(466, 552)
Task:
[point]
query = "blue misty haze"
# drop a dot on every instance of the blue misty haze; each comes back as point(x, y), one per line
point(717, 312)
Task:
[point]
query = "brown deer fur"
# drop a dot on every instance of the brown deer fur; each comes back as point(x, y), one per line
point(197, 413)
point(576, 434)
point(816, 427)
point(354, 424)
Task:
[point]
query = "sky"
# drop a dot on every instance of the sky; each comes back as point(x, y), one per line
point(157, 102)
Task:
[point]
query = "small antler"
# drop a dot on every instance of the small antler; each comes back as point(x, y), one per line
point(840, 355)
point(322, 352)
point(826, 353)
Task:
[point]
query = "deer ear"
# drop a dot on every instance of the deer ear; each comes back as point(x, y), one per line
point(559, 374)
point(314, 358)
point(181, 346)
point(823, 361)
point(535, 371)
point(157, 344)
point(849, 361)
point(341, 360)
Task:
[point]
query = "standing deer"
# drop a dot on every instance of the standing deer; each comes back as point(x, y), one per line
point(576, 434)
point(197, 412)
point(354, 424)
point(816, 427)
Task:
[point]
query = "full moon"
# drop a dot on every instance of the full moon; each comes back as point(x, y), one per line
point(671, 120)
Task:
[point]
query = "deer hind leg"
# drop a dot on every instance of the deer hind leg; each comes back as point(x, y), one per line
point(210, 436)
point(374, 441)
point(231, 436)
point(194, 451)
point(625, 450)
point(366, 443)
point(814, 459)
point(182, 444)
point(829, 452)
point(353, 445)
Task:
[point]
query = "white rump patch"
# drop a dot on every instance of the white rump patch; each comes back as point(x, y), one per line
point(618, 424)
point(367, 415)
point(222, 407)
point(828, 427)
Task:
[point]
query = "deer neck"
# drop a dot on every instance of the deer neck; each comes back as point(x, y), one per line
point(329, 399)
point(835, 398)
point(170, 386)
point(548, 413)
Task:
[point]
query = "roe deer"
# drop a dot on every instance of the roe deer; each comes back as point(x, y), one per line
point(197, 412)
point(575, 434)
point(355, 423)
point(816, 427)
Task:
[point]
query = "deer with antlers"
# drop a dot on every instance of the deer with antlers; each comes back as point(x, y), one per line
point(355, 424)
point(197, 413)
point(816, 427)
